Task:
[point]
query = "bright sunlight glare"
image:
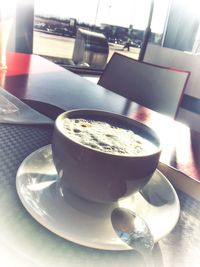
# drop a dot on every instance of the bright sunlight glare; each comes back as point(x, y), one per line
point(135, 12)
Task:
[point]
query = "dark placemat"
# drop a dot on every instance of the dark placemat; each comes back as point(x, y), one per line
point(16, 143)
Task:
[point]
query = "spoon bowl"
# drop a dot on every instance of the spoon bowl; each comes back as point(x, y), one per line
point(132, 229)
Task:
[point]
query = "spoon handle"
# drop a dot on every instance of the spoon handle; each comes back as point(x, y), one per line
point(148, 259)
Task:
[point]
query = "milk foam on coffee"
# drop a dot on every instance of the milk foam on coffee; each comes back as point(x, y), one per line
point(108, 138)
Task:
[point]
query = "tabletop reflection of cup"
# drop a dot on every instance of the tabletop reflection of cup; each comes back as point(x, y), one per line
point(103, 176)
point(6, 21)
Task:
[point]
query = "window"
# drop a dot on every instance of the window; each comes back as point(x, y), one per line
point(84, 34)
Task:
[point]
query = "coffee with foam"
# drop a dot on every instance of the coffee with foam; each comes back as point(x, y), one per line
point(107, 138)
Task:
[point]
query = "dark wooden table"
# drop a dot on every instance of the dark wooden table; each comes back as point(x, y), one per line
point(51, 90)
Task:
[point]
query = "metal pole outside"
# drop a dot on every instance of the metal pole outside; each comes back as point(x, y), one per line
point(147, 34)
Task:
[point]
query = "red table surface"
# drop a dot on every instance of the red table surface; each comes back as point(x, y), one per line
point(28, 64)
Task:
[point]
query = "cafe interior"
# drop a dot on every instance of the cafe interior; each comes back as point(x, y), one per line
point(74, 190)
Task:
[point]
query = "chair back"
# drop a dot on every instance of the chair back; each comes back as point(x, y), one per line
point(152, 86)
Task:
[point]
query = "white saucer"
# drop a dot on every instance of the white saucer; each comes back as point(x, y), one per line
point(84, 222)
